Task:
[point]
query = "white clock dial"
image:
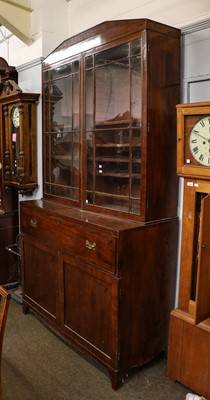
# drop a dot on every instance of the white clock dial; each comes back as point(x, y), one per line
point(15, 115)
point(199, 141)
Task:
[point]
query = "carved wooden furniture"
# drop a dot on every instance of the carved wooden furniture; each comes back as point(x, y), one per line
point(9, 227)
point(18, 112)
point(98, 252)
point(189, 338)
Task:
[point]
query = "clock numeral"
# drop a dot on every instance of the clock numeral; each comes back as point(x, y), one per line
point(201, 158)
point(194, 131)
point(196, 150)
point(202, 123)
point(194, 141)
point(208, 161)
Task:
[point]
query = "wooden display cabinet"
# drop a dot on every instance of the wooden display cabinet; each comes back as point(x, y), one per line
point(98, 252)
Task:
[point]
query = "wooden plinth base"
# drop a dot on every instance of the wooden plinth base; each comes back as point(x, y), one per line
point(189, 353)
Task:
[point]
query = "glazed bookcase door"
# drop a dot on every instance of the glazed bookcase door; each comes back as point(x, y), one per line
point(113, 128)
point(62, 131)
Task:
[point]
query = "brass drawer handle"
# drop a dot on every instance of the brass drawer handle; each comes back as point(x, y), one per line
point(33, 222)
point(90, 246)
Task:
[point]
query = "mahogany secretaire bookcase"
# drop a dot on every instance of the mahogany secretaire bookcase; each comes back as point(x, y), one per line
point(99, 251)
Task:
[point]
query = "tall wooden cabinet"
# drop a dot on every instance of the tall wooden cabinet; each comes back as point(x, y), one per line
point(9, 224)
point(98, 252)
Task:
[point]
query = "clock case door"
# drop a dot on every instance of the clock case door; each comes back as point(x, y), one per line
point(194, 294)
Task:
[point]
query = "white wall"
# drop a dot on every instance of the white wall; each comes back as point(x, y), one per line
point(53, 21)
point(196, 63)
point(178, 13)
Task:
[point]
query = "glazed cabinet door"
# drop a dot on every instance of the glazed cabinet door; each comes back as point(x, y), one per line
point(61, 100)
point(40, 278)
point(113, 83)
point(90, 307)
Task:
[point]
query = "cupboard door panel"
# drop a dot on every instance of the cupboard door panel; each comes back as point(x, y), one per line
point(90, 305)
point(40, 276)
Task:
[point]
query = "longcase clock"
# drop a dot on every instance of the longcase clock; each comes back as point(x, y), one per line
point(189, 335)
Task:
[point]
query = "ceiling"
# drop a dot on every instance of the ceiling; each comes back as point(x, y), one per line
point(15, 15)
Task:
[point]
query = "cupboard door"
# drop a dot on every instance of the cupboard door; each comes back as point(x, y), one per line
point(194, 295)
point(90, 303)
point(40, 277)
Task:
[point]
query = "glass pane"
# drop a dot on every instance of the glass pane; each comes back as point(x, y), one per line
point(62, 105)
point(46, 76)
point(62, 161)
point(62, 191)
point(135, 206)
point(111, 55)
point(136, 90)
point(121, 204)
point(109, 183)
point(112, 138)
point(89, 100)
point(112, 98)
point(89, 161)
point(75, 67)
point(135, 47)
point(89, 62)
point(60, 71)
point(75, 101)
point(59, 162)
point(47, 108)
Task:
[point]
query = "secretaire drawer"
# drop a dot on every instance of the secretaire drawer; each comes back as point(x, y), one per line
point(88, 244)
